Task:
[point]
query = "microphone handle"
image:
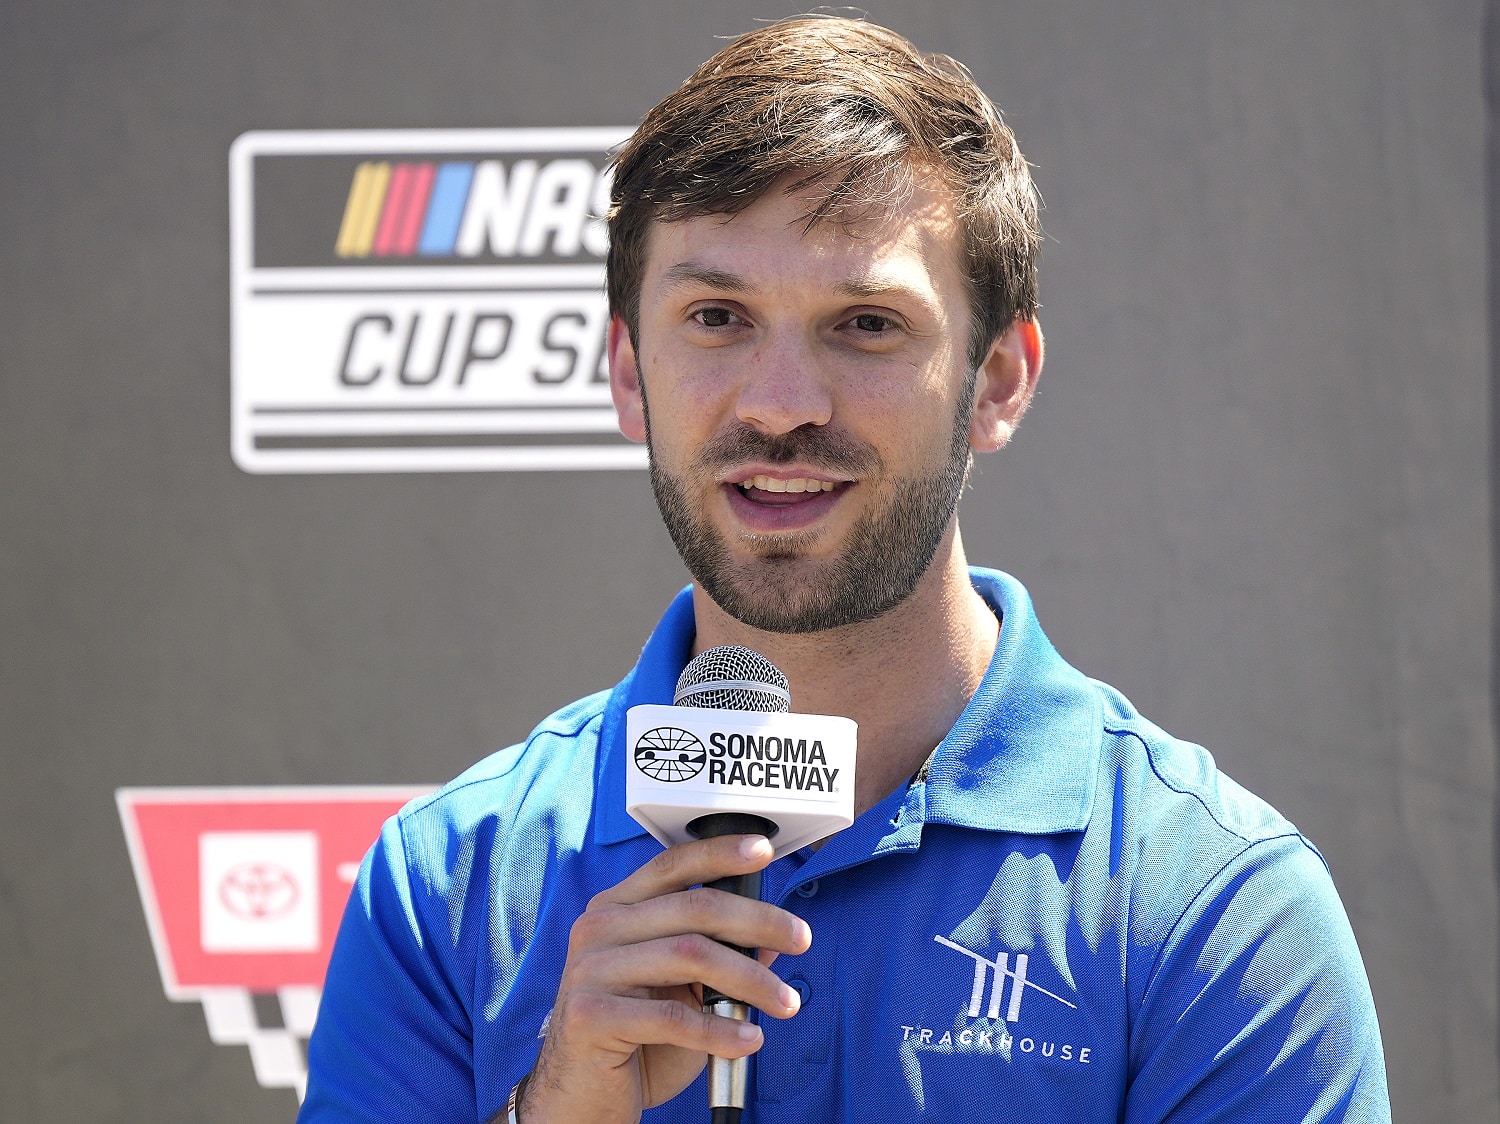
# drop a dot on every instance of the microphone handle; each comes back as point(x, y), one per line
point(712, 826)
point(728, 1079)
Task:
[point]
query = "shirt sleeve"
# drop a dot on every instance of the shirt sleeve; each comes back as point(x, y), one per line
point(394, 1038)
point(1258, 1007)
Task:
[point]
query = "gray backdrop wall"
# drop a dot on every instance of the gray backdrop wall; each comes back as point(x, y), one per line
point(1254, 492)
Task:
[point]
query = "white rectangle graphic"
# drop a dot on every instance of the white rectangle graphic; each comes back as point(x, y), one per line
point(421, 300)
point(258, 891)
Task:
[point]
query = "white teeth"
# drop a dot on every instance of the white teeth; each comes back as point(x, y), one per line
point(771, 484)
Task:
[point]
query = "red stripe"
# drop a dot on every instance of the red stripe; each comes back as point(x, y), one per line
point(395, 208)
point(409, 227)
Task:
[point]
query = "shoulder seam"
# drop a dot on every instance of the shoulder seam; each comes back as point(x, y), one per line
point(1289, 828)
point(547, 728)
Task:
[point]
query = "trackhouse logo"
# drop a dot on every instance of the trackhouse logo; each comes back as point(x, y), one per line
point(993, 1010)
point(1002, 972)
point(421, 300)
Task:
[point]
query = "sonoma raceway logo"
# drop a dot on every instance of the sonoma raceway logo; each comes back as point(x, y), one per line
point(669, 754)
point(421, 300)
point(672, 755)
point(769, 761)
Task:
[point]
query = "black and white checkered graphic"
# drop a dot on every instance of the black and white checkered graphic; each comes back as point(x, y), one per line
point(275, 1028)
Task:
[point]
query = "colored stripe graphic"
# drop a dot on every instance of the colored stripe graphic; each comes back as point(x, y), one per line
point(405, 203)
point(446, 211)
point(410, 225)
point(402, 209)
point(362, 210)
point(391, 215)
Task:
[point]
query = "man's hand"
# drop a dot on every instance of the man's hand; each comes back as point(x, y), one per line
point(628, 1030)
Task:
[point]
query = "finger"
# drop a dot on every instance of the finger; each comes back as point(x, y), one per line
point(622, 1023)
point(694, 958)
point(726, 917)
point(690, 864)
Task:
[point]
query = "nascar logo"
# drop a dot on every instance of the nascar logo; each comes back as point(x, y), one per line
point(467, 208)
point(421, 300)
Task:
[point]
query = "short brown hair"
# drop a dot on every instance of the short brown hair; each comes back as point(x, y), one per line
point(853, 110)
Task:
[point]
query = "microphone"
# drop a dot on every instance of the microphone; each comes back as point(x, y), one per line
point(731, 677)
point(729, 758)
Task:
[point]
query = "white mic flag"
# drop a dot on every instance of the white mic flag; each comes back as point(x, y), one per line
point(726, 748)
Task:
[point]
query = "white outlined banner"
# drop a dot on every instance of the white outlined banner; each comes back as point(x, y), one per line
point(421, 300)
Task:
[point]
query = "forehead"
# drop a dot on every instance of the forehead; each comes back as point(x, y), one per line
point(912, 240)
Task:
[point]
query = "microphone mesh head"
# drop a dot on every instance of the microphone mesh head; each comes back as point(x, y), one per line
point(732, 677)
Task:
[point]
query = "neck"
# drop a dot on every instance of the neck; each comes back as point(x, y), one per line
point(904, 677)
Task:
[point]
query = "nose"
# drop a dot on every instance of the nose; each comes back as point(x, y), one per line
point(783, 388)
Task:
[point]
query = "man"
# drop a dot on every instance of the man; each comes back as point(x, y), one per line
point(822, 283)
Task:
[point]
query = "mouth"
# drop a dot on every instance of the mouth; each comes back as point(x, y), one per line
point(767, 503)
point(766, 489)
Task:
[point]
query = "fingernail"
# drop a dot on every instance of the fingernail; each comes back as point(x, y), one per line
point(790, 999)
point(747, 1032)
point(753, 846)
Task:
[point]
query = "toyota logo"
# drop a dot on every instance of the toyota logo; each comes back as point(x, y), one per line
point(259, 891)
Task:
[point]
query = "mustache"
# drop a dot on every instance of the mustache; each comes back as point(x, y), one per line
point(815, 446)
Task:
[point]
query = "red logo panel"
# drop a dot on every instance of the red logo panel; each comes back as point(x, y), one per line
point(244, 887)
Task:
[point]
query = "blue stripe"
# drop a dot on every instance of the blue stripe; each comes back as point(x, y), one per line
point(445, 210)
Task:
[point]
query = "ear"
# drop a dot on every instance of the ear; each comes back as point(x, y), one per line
point(1006, 382)
point(625, 381)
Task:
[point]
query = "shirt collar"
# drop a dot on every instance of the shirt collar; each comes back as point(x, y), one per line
point(653, 680)
point(1023, 756)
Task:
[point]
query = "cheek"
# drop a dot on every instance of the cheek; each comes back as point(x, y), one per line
point(920, 379)
point(685, 379)
point(908, 414)
point(670, 432)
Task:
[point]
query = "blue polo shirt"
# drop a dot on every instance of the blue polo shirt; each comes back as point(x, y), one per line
point(1072, 917)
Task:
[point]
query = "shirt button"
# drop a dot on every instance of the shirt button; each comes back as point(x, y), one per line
point(804, 993)
point(808, 889)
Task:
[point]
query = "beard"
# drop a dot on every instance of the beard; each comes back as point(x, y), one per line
point(780, 589)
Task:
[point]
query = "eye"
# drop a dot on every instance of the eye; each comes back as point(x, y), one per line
point(715, 316)
point(872, 322)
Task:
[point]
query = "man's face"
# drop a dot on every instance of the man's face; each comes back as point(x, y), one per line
point(806, 398)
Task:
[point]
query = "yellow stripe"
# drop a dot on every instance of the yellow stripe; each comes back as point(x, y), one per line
point(362, 211)
point(342, 246)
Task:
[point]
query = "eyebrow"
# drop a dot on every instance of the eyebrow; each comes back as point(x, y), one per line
point(686, 274)
point(869, 287)
point(691, 274)
point(875, 288)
